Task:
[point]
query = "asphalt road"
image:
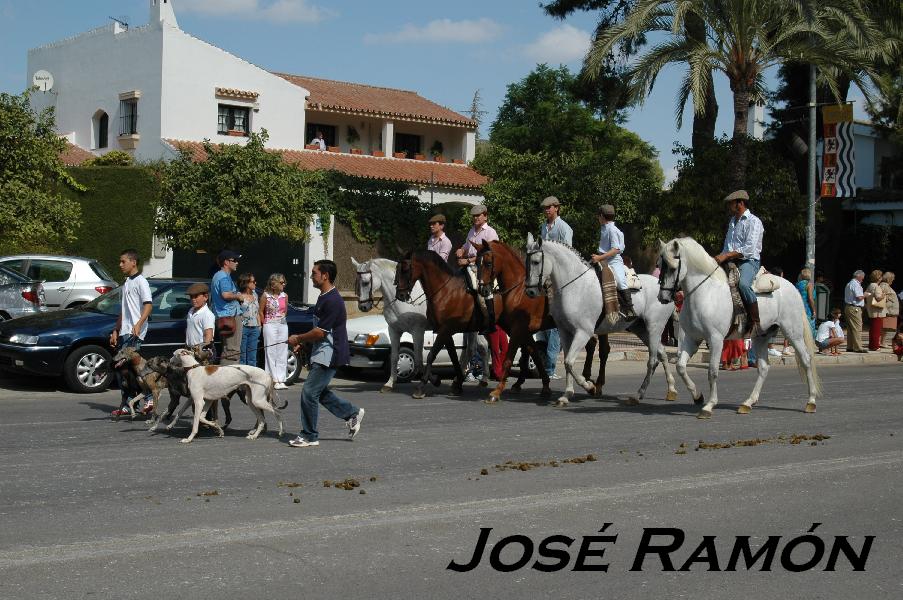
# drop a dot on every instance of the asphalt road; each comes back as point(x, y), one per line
point(101, 509)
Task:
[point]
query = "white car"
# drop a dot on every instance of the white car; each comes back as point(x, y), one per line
point(369, 345)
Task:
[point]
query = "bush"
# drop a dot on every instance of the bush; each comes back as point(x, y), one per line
point(113, 158)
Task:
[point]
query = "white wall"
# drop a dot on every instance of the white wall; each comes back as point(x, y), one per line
point(317, 248)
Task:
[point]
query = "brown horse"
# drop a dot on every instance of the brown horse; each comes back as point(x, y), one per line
point(521, 316)
point(450, 307)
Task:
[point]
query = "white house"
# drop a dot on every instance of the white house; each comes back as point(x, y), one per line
point(879, 199)
point(153, 89)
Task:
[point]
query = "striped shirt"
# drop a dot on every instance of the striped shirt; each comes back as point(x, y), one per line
point(440, 245)
point(558, 231)
point(476, 238)
point(744, 235)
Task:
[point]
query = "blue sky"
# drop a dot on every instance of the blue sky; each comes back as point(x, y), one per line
point(445, 51)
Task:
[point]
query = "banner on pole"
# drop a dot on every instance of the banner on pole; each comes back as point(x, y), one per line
point(839, 162)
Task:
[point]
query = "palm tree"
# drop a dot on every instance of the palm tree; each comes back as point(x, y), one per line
point(744, 38)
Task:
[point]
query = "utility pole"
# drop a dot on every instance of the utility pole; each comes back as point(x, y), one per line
point(813, 175)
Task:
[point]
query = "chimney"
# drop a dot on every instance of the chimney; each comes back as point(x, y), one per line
point(161, 11)
point(755, 120)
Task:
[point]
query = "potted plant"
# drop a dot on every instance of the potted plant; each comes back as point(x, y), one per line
point(436, 151)
point(419, 157)
point(400, 154)
point(352, 139)
point(378, 153)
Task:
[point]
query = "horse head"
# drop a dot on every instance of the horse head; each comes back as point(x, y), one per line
point(363, 285)
point(670, 267)
point(405, 277)
point(535, 265)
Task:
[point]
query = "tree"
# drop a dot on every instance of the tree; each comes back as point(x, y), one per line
point(742, 39)
point(33, 213)
point(546, 141)
point(238, 194)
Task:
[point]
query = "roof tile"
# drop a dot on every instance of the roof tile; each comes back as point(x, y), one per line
point(74, 155)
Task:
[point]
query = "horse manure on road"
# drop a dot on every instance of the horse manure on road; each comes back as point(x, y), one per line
point(512, 465)
point(289, 484)
point(794, 439)
point(209, 493)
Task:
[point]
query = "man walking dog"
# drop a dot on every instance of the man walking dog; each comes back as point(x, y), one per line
point(330, 351)
point(131, 326)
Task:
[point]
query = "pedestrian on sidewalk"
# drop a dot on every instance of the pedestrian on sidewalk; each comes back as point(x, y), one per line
point(272, 312)
point(893, 308)
point(876, 306)
point(330, 350)
point(250, 319)
point(853, 303)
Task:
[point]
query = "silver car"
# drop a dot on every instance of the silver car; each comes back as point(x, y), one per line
point(69, 281)
point(19, 295)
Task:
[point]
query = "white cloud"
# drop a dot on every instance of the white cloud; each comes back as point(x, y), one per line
point(277, 11)
point(670, 178)
point(564, 44)
point(441, 30)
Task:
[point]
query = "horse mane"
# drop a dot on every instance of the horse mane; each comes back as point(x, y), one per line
point(499, 244)
point(699, 259)
point(570, 248)
point(384, 263)
point(431, 257)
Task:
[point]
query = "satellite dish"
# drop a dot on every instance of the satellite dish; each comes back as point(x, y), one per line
point(43, 80)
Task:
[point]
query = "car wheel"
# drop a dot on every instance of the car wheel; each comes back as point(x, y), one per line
point(293, 368)
point(404, 368)
point(87, 370)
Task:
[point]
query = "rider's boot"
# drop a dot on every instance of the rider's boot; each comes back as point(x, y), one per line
point(489, 324)
point(626, 302)
point(753, 328)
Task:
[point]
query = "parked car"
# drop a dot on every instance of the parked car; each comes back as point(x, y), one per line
point(19, 295)
point(69, 281)
point(74, 344)
point(370, 348)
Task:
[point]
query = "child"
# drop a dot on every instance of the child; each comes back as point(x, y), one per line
point(830, 334)
point(201, 321)
point(898, 343)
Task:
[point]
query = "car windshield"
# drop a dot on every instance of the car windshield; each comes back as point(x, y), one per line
point(110, 303)
point(100, 271)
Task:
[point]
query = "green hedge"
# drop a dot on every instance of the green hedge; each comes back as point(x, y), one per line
point(117, 213)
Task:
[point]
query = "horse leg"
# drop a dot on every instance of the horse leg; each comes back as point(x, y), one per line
point(804, 345)
point(671, 396)
point(539, 357)
point(458, 382)
point(760, 346)
point(687, 349)
point(394, 342)
point(715, 346)
point(604, 352)
point(651, 363)
point(419, 393)
point(574, 344)
point(590, 349)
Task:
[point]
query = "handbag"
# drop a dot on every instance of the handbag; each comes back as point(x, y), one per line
point(875, 303)
point(226, 326)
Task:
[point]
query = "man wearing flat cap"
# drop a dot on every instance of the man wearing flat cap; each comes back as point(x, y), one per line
point(555, 230)
point(439, 242)
point(200, 319)
point(611, 247)
point(743, 245)
point(226, 306)
point(467, 258)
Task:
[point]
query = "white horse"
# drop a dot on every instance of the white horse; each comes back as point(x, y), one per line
point(379, 274)
point(577, 304)
point(708, 311)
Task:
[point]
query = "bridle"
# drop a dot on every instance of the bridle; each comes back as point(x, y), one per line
point(661, 277)
point(373, 302)
point(485, 289)
point(542, 265)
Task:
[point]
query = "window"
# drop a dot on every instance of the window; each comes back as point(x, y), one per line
point(103, 129)
point(407, 143)
point(41, 269)
point(128, 116)
point(329, 133)
point(233, 118)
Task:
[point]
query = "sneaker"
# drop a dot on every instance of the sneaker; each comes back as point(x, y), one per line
point(300, 442)
point(788, 351)
point(554, 377)
point(120, 412)
point(354, 423)
point(280, 386)
point(470, 378)
point(774, 352)
point(148, 408)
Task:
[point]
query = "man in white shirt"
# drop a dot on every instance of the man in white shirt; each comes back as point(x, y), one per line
point(554, 229)
point(200, 319)
point(743, 244)
point(853, 302)
point(830, 334)
point(611, 247)
point(319, 141)
point(131, 326)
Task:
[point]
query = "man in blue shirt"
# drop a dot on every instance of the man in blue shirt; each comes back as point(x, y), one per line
point(556, 230)
point(225, 296)
point(743, 245)
point(330, 351)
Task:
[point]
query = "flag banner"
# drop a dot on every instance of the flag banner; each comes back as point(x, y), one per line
point(838, 161)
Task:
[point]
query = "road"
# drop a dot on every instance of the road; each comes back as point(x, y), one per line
point(101, 509)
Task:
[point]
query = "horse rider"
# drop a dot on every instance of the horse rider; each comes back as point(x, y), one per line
point(611, 247)
point(743, 245)
point(556, 230)
point(467, 259)
point(439, 242)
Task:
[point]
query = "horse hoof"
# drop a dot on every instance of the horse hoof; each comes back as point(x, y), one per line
point(743, 409)
point(810, 407)
point(632, 401)
point(671, 396)
point(698, 400)
point(561, 403)
point(704, 414)
point(385, 389)
point(492, 399)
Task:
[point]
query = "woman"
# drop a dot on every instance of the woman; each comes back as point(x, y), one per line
point(893, 308)
point(806, 288)
point(875, 306)
point(250, 319)
point(273, 308)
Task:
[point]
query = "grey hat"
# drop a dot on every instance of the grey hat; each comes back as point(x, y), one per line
point(479, 209)
point(549, 201)
point(197, 288)
point(607, 210)
point(437, 219)
point(737, 195)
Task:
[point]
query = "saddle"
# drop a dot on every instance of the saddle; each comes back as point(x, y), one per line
point(763, 283)
point(611, 303)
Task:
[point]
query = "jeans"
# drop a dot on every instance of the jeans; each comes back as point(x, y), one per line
point(315, 393)
point(553, 347)
point(249, 338)
point(128, 341)
point(748, 269)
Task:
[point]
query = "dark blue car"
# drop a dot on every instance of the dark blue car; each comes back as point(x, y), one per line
point(74, 343)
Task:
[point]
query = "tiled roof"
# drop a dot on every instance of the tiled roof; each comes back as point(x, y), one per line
point(389, 169)
point(326, 94)
point(236, 93)
point(74, 155)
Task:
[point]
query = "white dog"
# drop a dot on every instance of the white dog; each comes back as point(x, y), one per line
point(209, 383)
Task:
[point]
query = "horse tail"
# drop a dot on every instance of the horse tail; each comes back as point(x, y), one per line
point(811, 348)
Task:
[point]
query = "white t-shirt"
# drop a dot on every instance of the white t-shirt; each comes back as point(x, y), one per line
point(824, 331)
point(135, 294)
point(198, 321)
point(319, 142)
